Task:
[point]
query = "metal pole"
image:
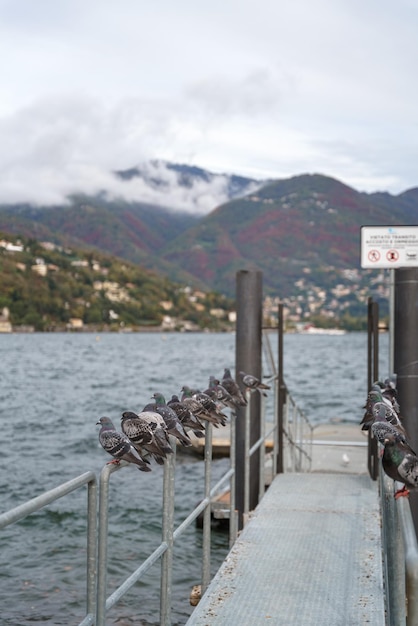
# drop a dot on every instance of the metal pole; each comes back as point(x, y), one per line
point(281, 393)
point(108, 469)
point(372, 376)
point(167, 535)
point(232, 508)
point(262, 481)
point(247, 458)
point(406, 358)
point(393, 554)
point(248, 359)
point(391, 321)
point(208, 511)
point(91, 545)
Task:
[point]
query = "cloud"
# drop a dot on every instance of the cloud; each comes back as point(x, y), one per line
point(272, 90)
point(62, 146)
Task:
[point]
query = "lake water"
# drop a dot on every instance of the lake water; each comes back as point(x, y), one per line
point(54, 387)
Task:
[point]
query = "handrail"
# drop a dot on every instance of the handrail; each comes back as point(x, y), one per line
point(97, 533)
point(39, 502)
point(401, 555)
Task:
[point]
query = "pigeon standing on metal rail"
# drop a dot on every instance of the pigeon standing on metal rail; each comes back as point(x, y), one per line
point(232, 387)
point(218, 393)
point(382, 426)
point(147, 432)
point(400, 463)
point(251, 382)
point(118, 445)
point(186, 417)
point(198, 405)
point(174, 425)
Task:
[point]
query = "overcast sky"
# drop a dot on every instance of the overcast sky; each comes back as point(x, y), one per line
point(261, 88)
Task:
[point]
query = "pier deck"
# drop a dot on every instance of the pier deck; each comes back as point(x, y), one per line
point(310, 554)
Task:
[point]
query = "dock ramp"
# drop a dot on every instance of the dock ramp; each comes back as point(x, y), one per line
point(310, 554)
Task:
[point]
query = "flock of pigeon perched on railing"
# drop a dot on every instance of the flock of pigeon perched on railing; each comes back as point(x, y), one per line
point(383, 416)
point(146, 434)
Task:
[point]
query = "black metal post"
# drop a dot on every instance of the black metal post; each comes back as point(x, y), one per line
point(372, 376)
point(406, 358)
point(281, 392)
point(248, 358)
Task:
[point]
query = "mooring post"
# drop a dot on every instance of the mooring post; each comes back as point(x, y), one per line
point(406, 358)
point(248, 358)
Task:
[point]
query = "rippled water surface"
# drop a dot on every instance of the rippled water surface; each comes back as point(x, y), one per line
point(54, 387)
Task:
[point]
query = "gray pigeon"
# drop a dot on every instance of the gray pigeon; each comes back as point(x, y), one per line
point(202, 405)
point(252, 382)
point(174, 425)
point(374, 398)
point(147, 432)
point(382, 428)
point(400, 462)
point(186, 417)
point(119, 446)
point(218, 393)
point(233, 388)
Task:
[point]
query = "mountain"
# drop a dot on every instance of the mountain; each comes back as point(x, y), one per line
point(136, 231)
point(156, 174)
point(303, 233)
point(306, 224)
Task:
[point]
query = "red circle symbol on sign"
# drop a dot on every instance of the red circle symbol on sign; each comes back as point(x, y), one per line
point(374, 256)
point(392, 255)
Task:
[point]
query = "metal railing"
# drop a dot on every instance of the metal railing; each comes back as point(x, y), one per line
point(35, 504)
point(296, 435)
point(400, 553)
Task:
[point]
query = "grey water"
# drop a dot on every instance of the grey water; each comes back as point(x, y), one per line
point(54, 387)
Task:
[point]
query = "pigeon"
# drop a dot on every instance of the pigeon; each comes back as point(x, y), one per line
point(147, 432)
point(218, 393)
point(202, 405)
point(400, 462)
point(186, 417)
point(172, 422)
point(118, 445)
point(210, 406)
point(383, 426)
point(374, 398)
point(233, 388)
point(251, 382)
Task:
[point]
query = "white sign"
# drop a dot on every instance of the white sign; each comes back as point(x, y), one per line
point(389, 246)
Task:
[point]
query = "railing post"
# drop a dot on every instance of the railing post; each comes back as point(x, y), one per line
point(406, 357)
point(232, 508)
point(167, 535)
point(102, 540)
point(393, 554)
point(207, 515)
point(248, 359)
point(91, 545)
point(372, 376)
point(281, 398)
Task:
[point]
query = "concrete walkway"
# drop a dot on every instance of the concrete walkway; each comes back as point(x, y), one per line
point(310, 554)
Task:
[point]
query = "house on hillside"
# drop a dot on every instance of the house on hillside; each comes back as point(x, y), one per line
point(5, 325)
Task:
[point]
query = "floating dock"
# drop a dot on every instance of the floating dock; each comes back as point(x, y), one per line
point(310, 554)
